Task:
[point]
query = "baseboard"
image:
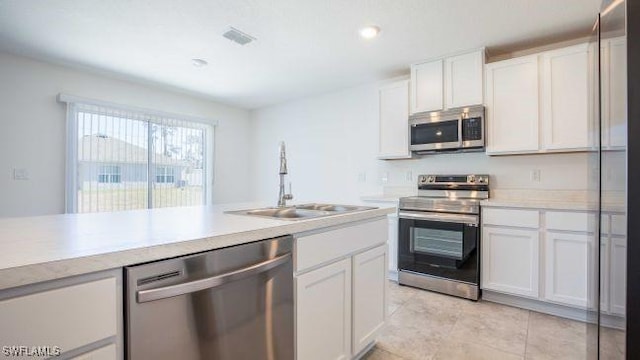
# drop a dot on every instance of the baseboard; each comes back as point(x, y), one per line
point(567, 312)
point(364, 351)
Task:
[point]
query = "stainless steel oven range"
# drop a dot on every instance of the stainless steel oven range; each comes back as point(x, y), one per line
point(439, 234)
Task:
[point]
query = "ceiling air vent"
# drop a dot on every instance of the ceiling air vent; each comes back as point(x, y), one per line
point(238, 36)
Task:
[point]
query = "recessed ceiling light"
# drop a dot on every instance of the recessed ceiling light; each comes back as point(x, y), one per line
point(369, 32)
point(199, 62)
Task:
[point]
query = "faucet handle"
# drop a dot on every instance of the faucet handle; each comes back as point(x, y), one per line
point(289, 196)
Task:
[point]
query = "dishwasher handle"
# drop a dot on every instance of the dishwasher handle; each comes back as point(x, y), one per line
point(210, 282)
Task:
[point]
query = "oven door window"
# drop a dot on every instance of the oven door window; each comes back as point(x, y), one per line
point(443, 249)
point(439, 242)
point(435, 133)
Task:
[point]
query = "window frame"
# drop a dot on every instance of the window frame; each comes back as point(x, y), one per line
point(75, 103)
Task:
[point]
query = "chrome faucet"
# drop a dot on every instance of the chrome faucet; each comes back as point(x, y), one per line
point(282, 197)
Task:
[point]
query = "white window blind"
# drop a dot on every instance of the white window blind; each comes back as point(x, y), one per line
point(123, 158)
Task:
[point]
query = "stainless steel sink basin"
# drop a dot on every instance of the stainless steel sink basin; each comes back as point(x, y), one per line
point(333, 207)
point(301, 212)
point(287, 213)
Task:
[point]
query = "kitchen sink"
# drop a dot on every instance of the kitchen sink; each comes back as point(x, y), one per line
point(287, 213)
point(333, 207)
point(301, 212)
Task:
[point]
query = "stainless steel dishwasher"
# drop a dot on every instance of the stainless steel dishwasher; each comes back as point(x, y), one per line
point(232, 303)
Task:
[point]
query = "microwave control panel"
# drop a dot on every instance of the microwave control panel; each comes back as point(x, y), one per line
point(472, 129)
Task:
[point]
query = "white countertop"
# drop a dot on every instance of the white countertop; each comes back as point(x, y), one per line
point(50, 247)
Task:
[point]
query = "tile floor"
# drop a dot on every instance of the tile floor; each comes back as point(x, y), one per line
point(427, 325)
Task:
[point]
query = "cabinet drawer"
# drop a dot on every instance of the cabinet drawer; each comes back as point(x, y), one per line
point(511, 217)
point(619, 225)
point(570, 221)
point(67, 317)
point(315, 249)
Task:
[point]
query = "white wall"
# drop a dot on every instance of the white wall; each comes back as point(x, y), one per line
point(32, 134)
point(332, 147)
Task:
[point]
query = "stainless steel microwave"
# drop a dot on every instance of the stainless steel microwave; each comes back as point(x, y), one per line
point(460, 129)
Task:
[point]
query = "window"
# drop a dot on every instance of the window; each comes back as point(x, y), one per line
point(165, 175)
point(124, 159)
point(109, 174)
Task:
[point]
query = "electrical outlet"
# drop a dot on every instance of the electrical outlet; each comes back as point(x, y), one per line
point(20, 174)
point(535, 175)
point(362, 177)
point(384, 178)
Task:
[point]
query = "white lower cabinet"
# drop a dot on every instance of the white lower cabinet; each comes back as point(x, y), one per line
point(341, 301)
point(569, 264)
point(554, 260)
point(72, 313)
point(323, 312)
point(393, 244)
point(618, 275)
point(369, 291)
point(510, 260)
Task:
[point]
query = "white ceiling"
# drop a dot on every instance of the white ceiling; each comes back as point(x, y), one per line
point(304, 47)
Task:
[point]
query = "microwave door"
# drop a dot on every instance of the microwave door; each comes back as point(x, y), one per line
point(438, 135)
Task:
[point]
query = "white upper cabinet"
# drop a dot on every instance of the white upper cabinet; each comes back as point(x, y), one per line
point(614, 92)
point(565, 103)
point(541, 102)
point(394, 121)
point(427, 87)
point(512, 105)
point(447, 83)
point(463, 79)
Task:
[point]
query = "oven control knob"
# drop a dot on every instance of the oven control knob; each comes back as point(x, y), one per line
point(431, 179)
point(422, 179)
point(471, 179)
point(480, 180)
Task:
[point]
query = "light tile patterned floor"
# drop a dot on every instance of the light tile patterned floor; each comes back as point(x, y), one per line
point(425, 325)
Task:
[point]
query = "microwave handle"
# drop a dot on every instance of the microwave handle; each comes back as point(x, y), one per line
point(460, 132)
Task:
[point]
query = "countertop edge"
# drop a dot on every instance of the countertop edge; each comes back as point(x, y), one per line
point(552, 205)
point(57, 269)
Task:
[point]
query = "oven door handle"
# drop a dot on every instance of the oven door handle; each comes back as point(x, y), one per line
point(450, 218)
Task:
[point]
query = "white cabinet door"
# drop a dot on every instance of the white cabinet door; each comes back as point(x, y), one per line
point(510, 261)
point(618, 275)
point(323, 313)
point(569, 264)
point(512, 105)
point(565, 98)
point(394, 121)
point(463, 76)
point(369, 290)
point(614, 92)
point(604, 272)
point(393, 244)
point(427, 87)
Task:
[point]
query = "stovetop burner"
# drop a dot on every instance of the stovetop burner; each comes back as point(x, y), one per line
point(448, 193)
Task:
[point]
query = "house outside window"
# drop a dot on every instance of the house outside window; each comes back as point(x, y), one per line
point(165, 175)
point(109, 174)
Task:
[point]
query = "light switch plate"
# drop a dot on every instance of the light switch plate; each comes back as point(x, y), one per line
point(20, 174)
